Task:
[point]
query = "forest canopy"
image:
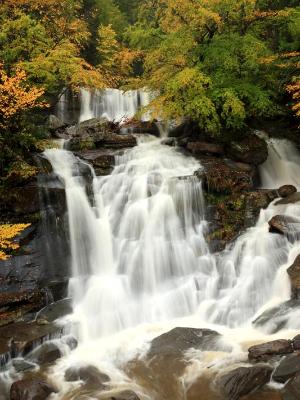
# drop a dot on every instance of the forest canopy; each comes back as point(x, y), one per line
point(221, 63)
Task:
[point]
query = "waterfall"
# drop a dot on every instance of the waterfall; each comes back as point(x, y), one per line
point(141, 264)
point(138, 247)
point(113, 104)
point(282, 166)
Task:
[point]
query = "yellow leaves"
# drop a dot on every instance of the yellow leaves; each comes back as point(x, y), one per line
point(8, 233)
point(294, 90)
point(15, 95)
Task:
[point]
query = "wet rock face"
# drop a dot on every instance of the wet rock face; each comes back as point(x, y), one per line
point(102, 160)
point(288, 367)
point(290, 199)
point(223, 176)
point(243, 380)
point(45, 354)
point(291, 391)
point(265, 351)
point(284, 225)
point(28, 389)
point(250, 149)
point(179, 340)
point(141, 127)
point(89, 375)
point(232, 214)
point(276, 318)
point(294, 274)
point(197, 148)
point(14, 305)
point(54, 311)
point(286, 190)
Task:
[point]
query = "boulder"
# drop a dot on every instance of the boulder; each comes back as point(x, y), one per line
point(288, 367)
point(21, 365)
point(141, 127)
point(205, 148)
point(296, 342)
point(47, 353)
point(294, 274)
point(291, 199)
point(179, 340)
point(244, 380)
point(265, 351)
point(251, 150)
point(286, 190)
point(102, 160)
point(88, 374)
point(291, 391)
point(284, 225)
point(54, 311)
point(30, 389)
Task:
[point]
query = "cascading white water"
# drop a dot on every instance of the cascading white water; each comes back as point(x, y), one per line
point(140, 259)
point(139, 253)
point(137, 249)
point(282, 166)
point(113, 104)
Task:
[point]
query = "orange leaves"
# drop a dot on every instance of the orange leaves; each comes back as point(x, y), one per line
point(294, 90)
point(7, 234)
point(15, 95)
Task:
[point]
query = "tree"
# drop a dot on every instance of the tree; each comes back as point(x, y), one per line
point(204, 59)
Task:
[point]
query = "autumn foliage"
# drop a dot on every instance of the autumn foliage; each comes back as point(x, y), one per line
point(8, 233)
point(16, 95)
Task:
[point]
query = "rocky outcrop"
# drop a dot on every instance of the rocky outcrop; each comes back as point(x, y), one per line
point(97, 133)
point(232, 214)
point(265, 351)
point(250, 149)
point(140, 127)
point(284, 225)
point(288, 368)
point(13, 306)
point(30, 389)
point(179, 340)
point(224, 176)
point(54, 311)
point(89, 374)
point(198, 148)
point(291, 391)
point(286, 190)
point(241, 381)
point(294, 274)
point(21, 338)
